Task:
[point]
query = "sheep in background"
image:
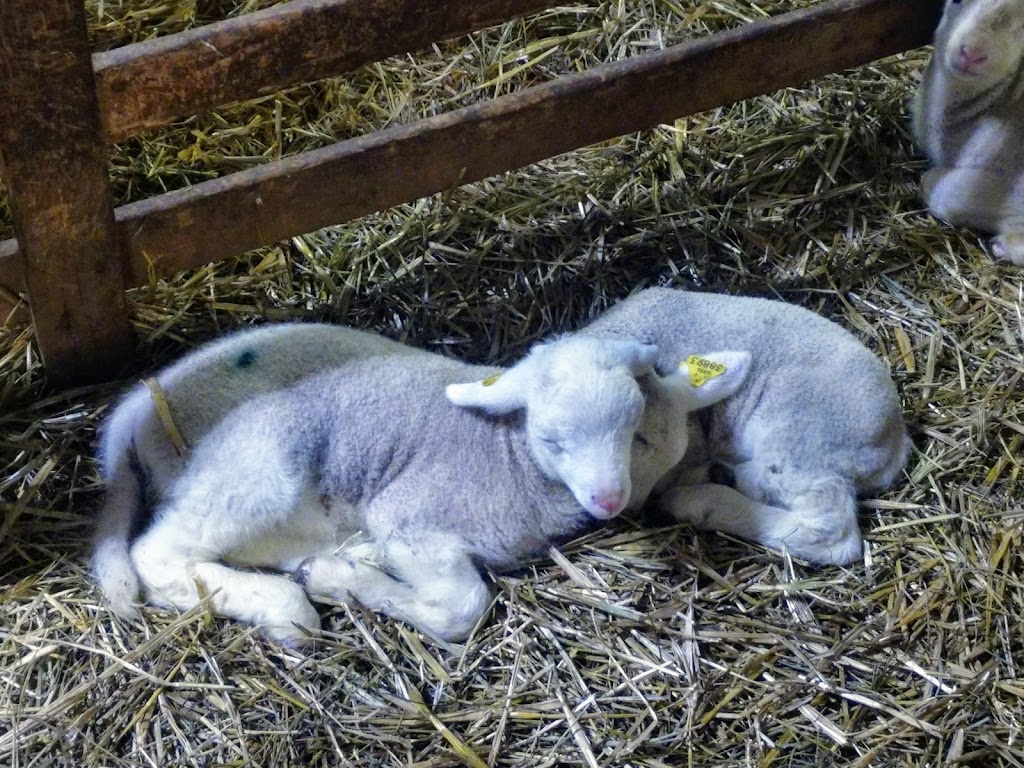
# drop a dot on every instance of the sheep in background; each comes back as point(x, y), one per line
point(968, 117)
point(370, 458)
point(816, 422)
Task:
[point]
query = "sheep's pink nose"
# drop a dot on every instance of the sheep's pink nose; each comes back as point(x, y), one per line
point(971, 59)
point(609, 502)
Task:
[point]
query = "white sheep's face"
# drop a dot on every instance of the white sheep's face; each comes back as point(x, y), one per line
point(581, 432)
point(659, 445)
point(663, 435)
point(984, 39)
point(582, 406)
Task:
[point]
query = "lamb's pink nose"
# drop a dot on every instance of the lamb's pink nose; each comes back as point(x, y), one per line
point(609, 502)
point(971, 59)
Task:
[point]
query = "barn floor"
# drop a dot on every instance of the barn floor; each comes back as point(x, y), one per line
point(633, 646)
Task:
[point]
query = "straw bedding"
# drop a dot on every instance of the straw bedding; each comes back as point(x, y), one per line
point(634, 646)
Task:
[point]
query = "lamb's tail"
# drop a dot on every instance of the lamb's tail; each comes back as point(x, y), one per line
point(122, 506)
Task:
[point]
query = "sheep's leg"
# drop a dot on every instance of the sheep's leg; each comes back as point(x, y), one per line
point(433, 586)
point(974, 197)
point(241, 496)
point(982, 199)
point(1009, 246)
point(174, 576)
point(820, 524)
point(819, 509)
point(110, 559)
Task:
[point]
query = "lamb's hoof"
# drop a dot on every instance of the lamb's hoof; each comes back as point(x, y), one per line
point(327, 578)
point(1009, 247)
point(294, 628)
point(291, 637)
point(842, 550)
point(301, 574)
point(828, 539)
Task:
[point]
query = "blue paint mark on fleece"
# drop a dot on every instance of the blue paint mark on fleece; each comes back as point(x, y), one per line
point(246, 359)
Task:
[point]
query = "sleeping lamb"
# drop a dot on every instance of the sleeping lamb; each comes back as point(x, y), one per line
point(141, 453)
point(968, 117)
point(390, 493)
point(816, 422)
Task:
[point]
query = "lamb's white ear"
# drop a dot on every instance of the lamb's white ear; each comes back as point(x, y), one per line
point(638, 357)
point(497, 394)
point(709, 378)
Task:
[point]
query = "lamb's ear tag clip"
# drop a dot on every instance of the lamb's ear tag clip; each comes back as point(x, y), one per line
point(490, 380)
point(702, 370)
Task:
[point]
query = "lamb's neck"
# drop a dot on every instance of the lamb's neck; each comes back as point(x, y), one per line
point(540, 510)
point(957, 102)
point(557, 508)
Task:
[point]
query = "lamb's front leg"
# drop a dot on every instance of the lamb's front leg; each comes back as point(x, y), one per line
point(821, 525)
point(983, 198)
point(1009, 245)
point(432, 584)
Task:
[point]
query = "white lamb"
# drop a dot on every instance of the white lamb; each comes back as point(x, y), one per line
point(816, 422)
point(968, 117)
point(391, 494)
point(139, 458)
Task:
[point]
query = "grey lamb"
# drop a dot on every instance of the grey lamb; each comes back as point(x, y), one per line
point(138, 456)
point(816, 422)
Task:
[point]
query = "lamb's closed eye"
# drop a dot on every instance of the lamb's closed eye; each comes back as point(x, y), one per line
point(278, 474)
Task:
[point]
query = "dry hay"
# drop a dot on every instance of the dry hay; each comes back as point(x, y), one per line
point(632, 646)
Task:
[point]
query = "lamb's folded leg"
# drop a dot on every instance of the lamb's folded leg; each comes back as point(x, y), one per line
point(173, 577)
point(239, 494)
point(973, 197)
point(433, 585)
point(820, 525)
point(276, 604)
point(1009, 246)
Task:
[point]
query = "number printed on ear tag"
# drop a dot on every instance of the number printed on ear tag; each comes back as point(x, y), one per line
point(490, 380)
point(703, 370)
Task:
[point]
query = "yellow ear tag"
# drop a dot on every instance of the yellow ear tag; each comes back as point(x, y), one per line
point(703, 370)
point(490, 380)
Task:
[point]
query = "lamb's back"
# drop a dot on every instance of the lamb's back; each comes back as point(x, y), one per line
point(208, 383)
point(811, 380)
point(780, 336)
point(390, 443)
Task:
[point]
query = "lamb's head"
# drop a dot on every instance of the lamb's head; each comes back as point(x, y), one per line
point(582, 406)
point(981, 38)
point(663, 436)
